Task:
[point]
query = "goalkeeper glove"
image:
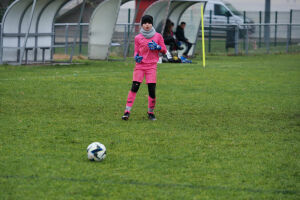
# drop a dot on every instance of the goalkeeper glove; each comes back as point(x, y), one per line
point(154, 46)
point(138, 58)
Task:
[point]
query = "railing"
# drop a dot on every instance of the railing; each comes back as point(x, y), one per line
point(253, 38)
point(65, 33)
point(242, 39)
point(220, 39)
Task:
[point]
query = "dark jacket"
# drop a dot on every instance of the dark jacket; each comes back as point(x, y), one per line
point(180, 34)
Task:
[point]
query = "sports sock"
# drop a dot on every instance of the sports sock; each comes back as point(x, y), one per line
point(130, 101)
point(151, 104)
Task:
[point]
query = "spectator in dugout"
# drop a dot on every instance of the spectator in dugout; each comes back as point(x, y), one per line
point(180, 37)
point(169, 37)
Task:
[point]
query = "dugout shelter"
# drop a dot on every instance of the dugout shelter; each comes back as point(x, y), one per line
point(27, 30)
point(173, 10)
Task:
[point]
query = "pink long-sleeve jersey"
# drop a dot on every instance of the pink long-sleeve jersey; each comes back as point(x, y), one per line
point(141, 48)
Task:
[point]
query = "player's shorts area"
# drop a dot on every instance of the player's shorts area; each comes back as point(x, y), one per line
point(145, 70)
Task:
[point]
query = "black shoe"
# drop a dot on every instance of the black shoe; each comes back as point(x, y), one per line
point(151, 116)
point(126, 116)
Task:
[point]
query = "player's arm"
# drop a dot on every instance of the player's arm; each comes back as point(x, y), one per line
point(162, 44)
point(136, 55)
point(136, 46)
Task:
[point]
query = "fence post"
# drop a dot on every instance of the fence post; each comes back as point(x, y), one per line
point(227, 32)
point(291, 21)
point(236, 38)
point(66, 39)
point(247, 41)
point(209, 35)
point(125, 36)
point(288, 38)
point(259, 38)
point(80, 39)
point(53, 38)
point(268, 39)
point(244, 40)
point(129, 13)
point(1, 46)
point(276, 20)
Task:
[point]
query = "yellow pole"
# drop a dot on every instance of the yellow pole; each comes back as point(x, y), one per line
point(203, 39)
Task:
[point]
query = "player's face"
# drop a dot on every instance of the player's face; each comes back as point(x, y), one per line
point(147, 26)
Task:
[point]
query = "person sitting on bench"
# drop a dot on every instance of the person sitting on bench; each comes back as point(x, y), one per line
point(169, 37)
point(180, 37)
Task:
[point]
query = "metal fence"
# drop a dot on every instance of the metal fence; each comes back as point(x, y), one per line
point(253, 39)
point(242, 39)
point(65, 34)
point(292, 16)
point(282, 35)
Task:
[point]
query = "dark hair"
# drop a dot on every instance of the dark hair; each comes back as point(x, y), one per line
point(182, 23)
point(147, 19)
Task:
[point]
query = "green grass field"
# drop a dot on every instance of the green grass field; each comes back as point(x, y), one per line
point(229, 131)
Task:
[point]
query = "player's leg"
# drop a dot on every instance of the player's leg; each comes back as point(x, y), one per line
point(189, 46)
point(132, 94)
point(130, 99)
point(151, 81)
point(151, 100)
point(138, 76)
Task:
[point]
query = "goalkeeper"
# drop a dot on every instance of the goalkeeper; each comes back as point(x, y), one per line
point(147, 46)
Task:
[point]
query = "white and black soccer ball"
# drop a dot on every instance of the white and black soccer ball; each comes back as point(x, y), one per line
point(96, 151)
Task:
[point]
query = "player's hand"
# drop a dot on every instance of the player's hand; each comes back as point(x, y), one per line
point(138, 58)
point(154, 46)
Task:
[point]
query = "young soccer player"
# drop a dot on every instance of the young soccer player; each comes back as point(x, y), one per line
point(147, 46)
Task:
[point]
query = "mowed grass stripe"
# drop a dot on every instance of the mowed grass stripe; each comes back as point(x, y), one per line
point(159, 185)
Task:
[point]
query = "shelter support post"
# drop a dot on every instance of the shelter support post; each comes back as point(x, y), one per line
point(77, 31)
point(27, 33)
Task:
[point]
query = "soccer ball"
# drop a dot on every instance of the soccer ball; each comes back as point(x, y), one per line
point(96, 151)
